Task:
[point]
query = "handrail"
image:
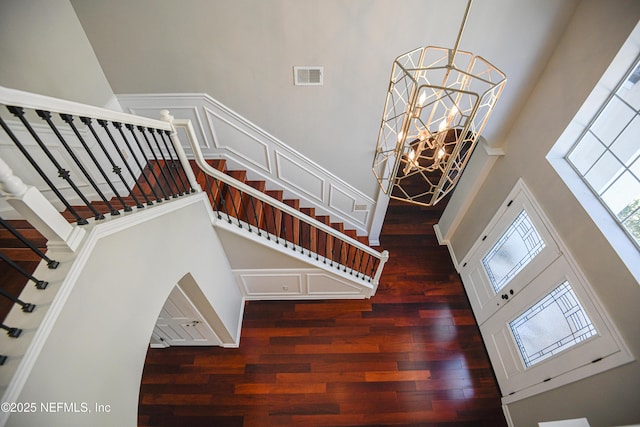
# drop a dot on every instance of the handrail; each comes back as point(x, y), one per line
point(118, 166)
point(132, 131)
point(209, 170)
point(41, 102)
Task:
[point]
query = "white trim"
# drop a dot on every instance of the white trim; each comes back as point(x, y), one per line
point(367, 287)
point(41, 102)
point(442, 241)
point(377, 221)
point(236, 340)
point(611, 230)
point(151, 104)
point(464, 195)
point(507, 416)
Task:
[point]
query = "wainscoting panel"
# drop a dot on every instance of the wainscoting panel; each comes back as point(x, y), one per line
point(277, 284)
point(324, 284)
point(224, 134)
point(344, 202)
point(271, 283)
point(229, 135)
point(299, 178)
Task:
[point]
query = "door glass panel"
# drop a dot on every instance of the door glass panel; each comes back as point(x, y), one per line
point(519, 244)
point(550, 326)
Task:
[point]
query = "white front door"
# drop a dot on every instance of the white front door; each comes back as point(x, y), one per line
point(181, 324)
point(541, 323)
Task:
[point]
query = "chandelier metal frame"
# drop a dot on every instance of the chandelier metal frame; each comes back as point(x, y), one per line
point(437, 104)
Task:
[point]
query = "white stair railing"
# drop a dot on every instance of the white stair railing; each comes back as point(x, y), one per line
point(236, 202)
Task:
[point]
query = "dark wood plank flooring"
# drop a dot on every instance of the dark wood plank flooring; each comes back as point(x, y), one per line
point(410, 356)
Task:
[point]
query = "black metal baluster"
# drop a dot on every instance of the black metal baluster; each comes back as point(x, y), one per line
point(223, 202)
point(362, 253)
point(272, 210)
point(139, 205)
point(255, 215)
point(349, 250)
point(284, 231)
point(118, 126)
point(69, 120)
point(243, 208)
point(208, 187)
point(355, 261)
point(166, 165)
point(147, 163)
point(43, 175)
point(50, 263)
point(371, 266)
point(26, 307)
point(230, 189)
point(12, 332)
point(62, 173)
point(143, 131)
point(266, 222)
point(175, 163)
point(46, 116)
point(115, 168)
point(40, 284)
point(338, 259)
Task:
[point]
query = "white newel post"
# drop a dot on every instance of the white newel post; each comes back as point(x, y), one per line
point(29, 202)
point(165, 116)
point(384, 257)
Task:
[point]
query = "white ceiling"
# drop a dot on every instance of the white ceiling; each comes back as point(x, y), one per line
point(241, 52)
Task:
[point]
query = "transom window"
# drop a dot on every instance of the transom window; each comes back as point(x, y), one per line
point(606, 155)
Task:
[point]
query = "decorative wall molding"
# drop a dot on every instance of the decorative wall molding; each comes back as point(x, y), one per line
point(224, 134)
point(279, 284)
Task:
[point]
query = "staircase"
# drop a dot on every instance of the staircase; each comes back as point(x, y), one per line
point(130, 231)
point(156, 185)
point(11, 280)
point(261, 215)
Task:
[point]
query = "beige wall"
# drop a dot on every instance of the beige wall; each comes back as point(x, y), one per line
point(596, 32)
point(43, 49)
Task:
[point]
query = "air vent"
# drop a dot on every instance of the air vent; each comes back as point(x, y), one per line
point(308, 76)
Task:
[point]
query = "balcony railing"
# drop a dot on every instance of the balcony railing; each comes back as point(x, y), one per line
point(93, 163)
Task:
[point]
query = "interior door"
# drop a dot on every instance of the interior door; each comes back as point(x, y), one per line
point(181, 324)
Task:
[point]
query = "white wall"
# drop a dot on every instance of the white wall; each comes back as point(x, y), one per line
point(45, 50)
point(591, 40)
point(96, 350)
point(242, 53)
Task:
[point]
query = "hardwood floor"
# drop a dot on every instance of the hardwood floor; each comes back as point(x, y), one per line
point(410, 356)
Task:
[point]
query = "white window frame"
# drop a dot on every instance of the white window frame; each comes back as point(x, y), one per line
point(608, 225)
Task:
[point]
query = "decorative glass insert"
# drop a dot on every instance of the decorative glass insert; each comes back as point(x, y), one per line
point(550, 326)
point(607, 155)
point(519, 244)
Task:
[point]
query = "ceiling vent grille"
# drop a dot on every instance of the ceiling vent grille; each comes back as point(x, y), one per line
point(308, 76)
